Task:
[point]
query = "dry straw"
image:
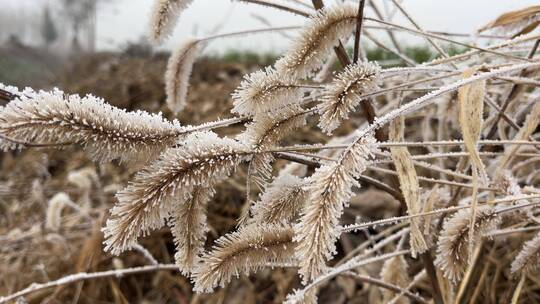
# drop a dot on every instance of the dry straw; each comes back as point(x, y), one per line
point(522, 20)
point(394, 271)
point(55, 206)
point(408, 181)
point(471, 110)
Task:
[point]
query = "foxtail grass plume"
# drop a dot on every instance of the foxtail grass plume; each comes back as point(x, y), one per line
point(527, 259)
point(343, 94)
point(282, 201)
point(202, 160)
point(319, 36)
point(188, 227)
point(6, 145)
point(394, 271)
point(453, 245)
point(242, 252)
point(165, 14)
point(266, 91)
point(54, 211)
point(330, 189)
point(178, 73)
point(265, 132)
point(105, 132)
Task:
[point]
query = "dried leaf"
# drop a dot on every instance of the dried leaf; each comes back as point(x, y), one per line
point(409, 185)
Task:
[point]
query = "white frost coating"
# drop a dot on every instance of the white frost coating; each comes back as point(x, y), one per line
point(188, 225)
point(6, 145)
point(165, 14)
point(510, 42)
point(403, 70)
point(178, 72)
point(81, 276)
point(317, 39)
point(200, 161)
point(428, 99)
point(330, 189)
point(243, 251)
point(266, 90)
point(298, 295)
point(526, 259)
point(344, 93)
point(11, 89)
point(281, 201)
point(398, 219)
point(266, 132)
point(105, 132)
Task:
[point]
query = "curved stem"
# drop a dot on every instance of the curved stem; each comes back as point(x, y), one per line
point(421, 33)
point(352, 264)
point(383, 284)
point(246, 32)
point(397, 219)
point(83, 276)
point(278, 6)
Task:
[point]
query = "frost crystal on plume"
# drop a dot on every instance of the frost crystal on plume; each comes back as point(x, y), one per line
point(202, 160)
point(316, 41)
point(266, 91)
point(344, 93)
point(106, 132)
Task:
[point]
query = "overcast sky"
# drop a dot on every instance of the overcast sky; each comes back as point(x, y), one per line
point(127, 20)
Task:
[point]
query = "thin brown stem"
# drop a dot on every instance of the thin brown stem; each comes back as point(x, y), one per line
point(426, 34)
point(382, 284)
point(390, 33)
point(278, 6)
point(417, 26)
point(314, 164)
point(512, 95)
point(7, 96)
point(427, 259)
point(87, 276)
point(357, 34)
point(318, 4)
point(246, 32)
